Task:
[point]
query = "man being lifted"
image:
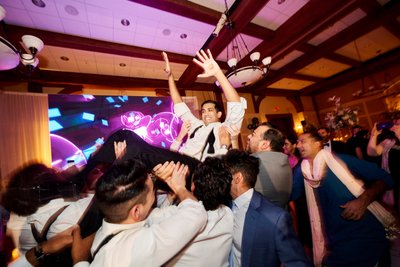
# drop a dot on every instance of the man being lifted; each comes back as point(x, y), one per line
point(203, 136)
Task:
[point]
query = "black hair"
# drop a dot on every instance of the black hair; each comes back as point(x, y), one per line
point(212, 181)
point(217, 106)
point(327, 129)
point(120, 188)
point(275, 138)
point(315, 136)
point(241, 161)
point(33, 186)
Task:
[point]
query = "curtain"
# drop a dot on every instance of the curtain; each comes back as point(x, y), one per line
point(24, 131)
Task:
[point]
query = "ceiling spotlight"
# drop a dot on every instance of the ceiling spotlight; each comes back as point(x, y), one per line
point(71, 10)
point(39, 3)
point(64, 58)
point(183, 36)
point(166, 32)
point(125, 22)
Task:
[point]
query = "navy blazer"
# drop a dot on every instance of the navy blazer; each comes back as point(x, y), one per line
point(268, 237)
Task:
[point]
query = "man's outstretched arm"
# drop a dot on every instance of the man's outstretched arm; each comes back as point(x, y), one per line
point(173, 90)
point(211, 68)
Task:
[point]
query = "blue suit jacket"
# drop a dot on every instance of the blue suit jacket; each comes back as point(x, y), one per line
point(268, 237)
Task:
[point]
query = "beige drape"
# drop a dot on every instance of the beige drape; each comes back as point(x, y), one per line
point(24, 131)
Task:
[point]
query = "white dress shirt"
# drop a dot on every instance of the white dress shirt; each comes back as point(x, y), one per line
point(328, 146)
point(194, 146)
point(212, 245)
point(141, 244)
point(39, 218)
point(69, 217)
point(240, 207)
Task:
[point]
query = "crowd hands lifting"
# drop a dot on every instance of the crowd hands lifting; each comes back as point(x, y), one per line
point(236, 175)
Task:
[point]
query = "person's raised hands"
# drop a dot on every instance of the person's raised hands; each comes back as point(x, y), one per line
point(119, 149)
point(167, 68)
point(207, 62)
point(177, 181)
point(164, 171)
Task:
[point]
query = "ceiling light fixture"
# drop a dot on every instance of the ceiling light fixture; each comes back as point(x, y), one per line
point(11, 56)
point(245, 75)
point(125, 22)
point(39, 3)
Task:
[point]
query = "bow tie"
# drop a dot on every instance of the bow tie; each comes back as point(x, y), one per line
point(326, 144)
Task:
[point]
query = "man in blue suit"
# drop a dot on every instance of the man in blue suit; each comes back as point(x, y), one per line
point(263, 233)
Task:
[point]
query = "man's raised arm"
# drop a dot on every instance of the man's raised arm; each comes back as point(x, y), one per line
point(211, 68)
point(173, 90)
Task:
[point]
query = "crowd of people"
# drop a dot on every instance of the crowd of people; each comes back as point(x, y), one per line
point(282, 201)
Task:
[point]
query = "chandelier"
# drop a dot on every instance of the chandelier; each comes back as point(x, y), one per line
point(10, 56)
point(240, 76)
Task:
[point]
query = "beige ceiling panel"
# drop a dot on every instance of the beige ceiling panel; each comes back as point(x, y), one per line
point(370, 45)
point(121, 71)
point(285, 60)
point(323, 68)
point(105, 69)
point(337, 27)
point(290, 84)
point(102, 58)
point(84, 56)
point(87, 67)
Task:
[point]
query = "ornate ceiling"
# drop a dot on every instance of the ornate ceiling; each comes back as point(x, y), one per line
point(315, 45)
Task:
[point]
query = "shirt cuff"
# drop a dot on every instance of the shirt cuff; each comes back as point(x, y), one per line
point(82, 264)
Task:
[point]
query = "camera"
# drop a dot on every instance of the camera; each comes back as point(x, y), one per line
point(384, 125)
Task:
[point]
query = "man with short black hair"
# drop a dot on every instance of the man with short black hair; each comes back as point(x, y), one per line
point(275, 178)
point(211, 184)
point(125, 195)
point(330, 144)
point(262, 233)
point(348, 225)
point(203, 135)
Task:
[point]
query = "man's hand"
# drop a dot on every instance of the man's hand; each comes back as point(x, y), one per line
point(208, 64)
point(55, 244)
point(164, 171)
point(375, 132)
point(81, 247)
point(354, 209)
point(177, 181)
point(185, 128)
point(119, 149)
point(167, 68)
point(224, 136)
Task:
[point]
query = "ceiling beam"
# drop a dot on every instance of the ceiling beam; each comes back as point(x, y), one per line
point(197, 12)
point(46, 76)
point(243, 12)
point(310, 20)
point(14, 34)
point(379, 63)
point(358, 29)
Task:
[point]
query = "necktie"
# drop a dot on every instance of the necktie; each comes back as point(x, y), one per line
point(326, 144)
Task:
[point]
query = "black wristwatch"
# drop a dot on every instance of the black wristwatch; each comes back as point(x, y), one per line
point(39, 253)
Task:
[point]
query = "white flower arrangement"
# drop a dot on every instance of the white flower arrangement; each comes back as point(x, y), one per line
point(340, 117)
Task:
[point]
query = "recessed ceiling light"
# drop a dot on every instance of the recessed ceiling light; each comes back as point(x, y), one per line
point(64, 58)
point(183, 36)
point(71, 10)
point(125, 22)
point(122, 64)
point(166, 32)
point(38, 3)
